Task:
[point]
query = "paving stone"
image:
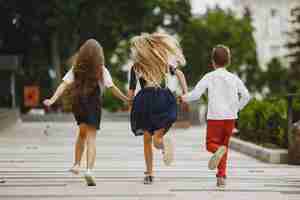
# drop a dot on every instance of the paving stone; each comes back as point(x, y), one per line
point(35, 166)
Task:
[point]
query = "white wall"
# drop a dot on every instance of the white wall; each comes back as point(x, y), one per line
point(271, 21)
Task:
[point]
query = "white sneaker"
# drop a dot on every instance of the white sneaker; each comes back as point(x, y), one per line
point(168, 150)
point(89, 178)
point(75, 169)
point(216, 158)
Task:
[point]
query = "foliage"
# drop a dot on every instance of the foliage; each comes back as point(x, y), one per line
point(38, 25)
point(74, 21)
point(264, 122)
point(275, 78)
point(110, 102)
point(217, 26)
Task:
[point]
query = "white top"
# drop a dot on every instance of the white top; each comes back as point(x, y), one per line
point(107, 80)
point(227, 94)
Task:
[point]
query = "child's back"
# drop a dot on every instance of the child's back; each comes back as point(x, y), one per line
point(223, 94)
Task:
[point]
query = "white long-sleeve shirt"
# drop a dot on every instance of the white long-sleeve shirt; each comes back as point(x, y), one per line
point(227, 94)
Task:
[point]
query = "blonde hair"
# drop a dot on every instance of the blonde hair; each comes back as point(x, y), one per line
point(152, 53)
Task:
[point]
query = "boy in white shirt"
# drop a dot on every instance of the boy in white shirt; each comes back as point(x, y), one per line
point(227, 95)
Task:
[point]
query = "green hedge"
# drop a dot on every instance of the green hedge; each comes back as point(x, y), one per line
point(110, 102)
point(264, 122)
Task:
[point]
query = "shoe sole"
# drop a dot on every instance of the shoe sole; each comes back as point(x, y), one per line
point(216, 158)
point(168, 156)
point(90, 181)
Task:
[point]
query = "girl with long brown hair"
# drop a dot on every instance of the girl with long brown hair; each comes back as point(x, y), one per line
point(87, 78)
point(154, 108)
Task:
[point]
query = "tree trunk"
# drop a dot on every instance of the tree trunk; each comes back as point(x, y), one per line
point(55, 57)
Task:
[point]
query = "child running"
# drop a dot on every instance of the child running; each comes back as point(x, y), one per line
point(154, 107)
point(136, 83)
point(88, 77)
point(227, 95)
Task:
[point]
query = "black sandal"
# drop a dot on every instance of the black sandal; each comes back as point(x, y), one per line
point(148, 180)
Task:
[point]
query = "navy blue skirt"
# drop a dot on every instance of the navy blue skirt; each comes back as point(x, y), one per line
point(92, 119)
point(153, 109)
point(90, 111)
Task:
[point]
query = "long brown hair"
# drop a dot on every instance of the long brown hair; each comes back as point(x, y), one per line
point(88, 70)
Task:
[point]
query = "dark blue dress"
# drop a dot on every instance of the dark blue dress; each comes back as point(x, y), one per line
point(153, 108)
point(90, 109)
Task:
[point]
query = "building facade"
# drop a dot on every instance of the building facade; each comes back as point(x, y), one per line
point(271, 19)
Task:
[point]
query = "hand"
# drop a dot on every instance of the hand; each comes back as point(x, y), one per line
point(48, 102)
point(179, 99)
point(130, 101)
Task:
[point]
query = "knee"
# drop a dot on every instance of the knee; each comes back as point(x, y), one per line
point(82, 136)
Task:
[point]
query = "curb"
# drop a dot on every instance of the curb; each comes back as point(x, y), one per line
point(274, 156)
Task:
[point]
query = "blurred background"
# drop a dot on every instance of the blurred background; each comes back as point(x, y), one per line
point(37, 38)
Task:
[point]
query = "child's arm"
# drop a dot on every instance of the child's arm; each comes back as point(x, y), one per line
point(119, 94)
point(132, 84)
point(59, 91)
point(197, 92)
point(109, 84)
point(245, 96)
point(182, 81)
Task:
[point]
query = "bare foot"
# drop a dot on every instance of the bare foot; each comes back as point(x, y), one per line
point(75, 169)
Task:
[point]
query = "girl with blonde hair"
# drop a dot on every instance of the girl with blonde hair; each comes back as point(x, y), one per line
point(87, 78)
point(154, 108)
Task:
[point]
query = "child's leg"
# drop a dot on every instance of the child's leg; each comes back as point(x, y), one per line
point(91, 147)
point(166, 144)
point(91, 155)
point(79, 148)
point(80, 143)
point(148, 152)
point(158, 138)
point(214, 135)
point(214, 142)
point(229, 125)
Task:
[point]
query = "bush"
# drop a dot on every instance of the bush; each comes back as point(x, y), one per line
point(110, 102)
point(264, 123)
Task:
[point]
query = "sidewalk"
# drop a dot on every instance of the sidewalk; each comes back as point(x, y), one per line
point(34, 166)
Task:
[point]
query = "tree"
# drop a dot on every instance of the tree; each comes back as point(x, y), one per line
point(61, 26)
point(47, 33)
point(275, 78)
point(217, 26)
